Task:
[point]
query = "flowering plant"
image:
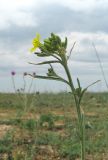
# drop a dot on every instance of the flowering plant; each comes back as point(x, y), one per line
point(54, 47)
point(23, 92)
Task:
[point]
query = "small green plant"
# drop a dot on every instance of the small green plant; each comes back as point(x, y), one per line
point(53, 47)
point(46, 118)
point(49, 138)
point(29, 124)
point(6, 145)
point(70, 149)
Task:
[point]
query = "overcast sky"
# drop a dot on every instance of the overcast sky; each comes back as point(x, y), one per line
point(83, 21)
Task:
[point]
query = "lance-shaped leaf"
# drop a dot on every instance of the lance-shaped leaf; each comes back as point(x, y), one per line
point(85, 89)
point(71, 51)
point(78, 83)
point(93, 83)
point(48, 62)
point(45, 62)
point(50, 78)
point(42, 54)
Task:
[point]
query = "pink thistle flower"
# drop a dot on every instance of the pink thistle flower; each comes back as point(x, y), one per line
point(25, 73)
point(34, 74)
point(13, 73)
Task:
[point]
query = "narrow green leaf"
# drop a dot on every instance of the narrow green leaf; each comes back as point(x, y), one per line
point(36, 53)
point(93, 83)
point(48, 62)
point(78, 83)
point(32, 63)
point(50, 78)
point(43, 55)
point(71, 51)
point(85, 89)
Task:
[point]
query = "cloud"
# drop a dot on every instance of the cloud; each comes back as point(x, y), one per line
point(86, 15)
point(22, 24)
point(81, 21)
point(16, 13)
point(79, 5)
point(60, 18)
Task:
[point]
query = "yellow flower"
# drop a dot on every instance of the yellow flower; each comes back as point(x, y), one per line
point(36, 42)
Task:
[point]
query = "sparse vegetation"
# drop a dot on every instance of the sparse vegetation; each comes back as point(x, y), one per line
point(24, 138)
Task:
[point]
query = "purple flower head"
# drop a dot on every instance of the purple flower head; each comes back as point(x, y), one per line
point(18, 90)
point(25, 73)
point(13, 73)
point(34, 74)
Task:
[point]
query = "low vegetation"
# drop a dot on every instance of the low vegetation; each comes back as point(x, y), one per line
point(47, 129)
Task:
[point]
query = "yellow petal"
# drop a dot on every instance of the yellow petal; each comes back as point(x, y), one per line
point(32, 49)
point(36, 42)
point(38, 36)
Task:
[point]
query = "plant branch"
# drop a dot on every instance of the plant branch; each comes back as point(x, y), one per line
point(49, 78)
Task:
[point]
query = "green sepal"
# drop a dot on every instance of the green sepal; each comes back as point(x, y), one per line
point(47, 41)
point(64, 44)
point(53, 36)
point(58, 40)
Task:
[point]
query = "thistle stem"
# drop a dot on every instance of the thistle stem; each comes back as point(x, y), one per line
point(13, 82)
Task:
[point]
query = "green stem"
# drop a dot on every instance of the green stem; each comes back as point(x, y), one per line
point(73, 91)
point(79, 113)
point(83, 138)
point(14, 84)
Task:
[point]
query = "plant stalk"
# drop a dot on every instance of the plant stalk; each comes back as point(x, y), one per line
point(80, 114)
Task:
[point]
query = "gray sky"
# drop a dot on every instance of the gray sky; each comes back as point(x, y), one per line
point(83, 21)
